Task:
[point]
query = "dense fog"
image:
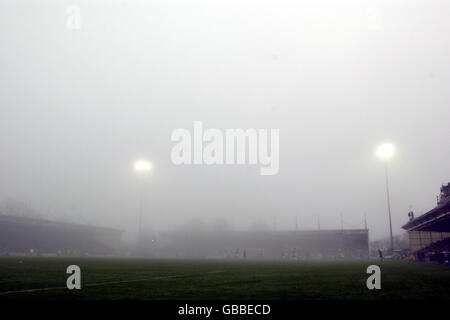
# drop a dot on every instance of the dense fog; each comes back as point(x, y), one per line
point(78, 108)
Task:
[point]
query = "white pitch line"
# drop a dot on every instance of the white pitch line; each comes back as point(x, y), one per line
point(110, 282)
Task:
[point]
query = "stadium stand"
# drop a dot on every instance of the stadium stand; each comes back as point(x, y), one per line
point(429, 234)
point(31, 236)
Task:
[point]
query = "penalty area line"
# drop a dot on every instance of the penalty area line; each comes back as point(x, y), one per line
point(106, 283)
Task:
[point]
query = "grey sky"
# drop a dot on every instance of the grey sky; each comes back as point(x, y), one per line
point(78, 107)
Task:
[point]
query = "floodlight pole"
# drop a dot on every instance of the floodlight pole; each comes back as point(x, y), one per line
point(142, 167)
point(140, 216)
point(388, 202)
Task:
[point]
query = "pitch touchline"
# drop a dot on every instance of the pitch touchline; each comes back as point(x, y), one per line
point(110, 282)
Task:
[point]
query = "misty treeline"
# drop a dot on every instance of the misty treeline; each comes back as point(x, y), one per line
point(219, 225)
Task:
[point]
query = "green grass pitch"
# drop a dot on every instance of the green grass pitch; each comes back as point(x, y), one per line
point(104, 278)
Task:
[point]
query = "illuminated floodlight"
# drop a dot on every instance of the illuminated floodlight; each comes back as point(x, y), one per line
point(385, 151)
point(143, 166)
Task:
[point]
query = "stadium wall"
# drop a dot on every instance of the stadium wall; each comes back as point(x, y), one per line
point(271, 244)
